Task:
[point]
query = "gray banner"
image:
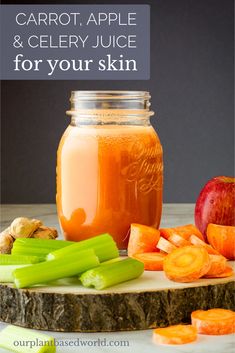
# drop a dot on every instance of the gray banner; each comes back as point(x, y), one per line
point(85, 42)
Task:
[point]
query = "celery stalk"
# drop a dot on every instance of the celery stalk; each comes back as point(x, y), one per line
point(37, 247)
point(110, 274)
point(22, 340)
point(104, 246)
point(28, 251)
point(43, 243)
point(6, 259)
point(47, 271)
point(6, 272)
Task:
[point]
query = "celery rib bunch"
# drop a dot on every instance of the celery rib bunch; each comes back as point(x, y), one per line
point(96, 261)
point(66, 261)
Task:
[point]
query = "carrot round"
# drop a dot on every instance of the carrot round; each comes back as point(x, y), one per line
point(218, 265)
point(177, 334)
point(165, 245)
point(142, 239)
point(153, 261)
point(198, 242)
point(222, 238)
point(178, 240)
point(214, 321)
point(228, 271)
point(187, 264)
point(184, 231)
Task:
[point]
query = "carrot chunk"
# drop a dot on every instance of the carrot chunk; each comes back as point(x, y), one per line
point(214, 321)
point(178, 240)
point(186, 264)
point(226, 273)
point(153, 261)
point(198, 242)
point(222, 238)
point(177, 334)
point(165, 245)
point(142, 239)
point(184, 231)
point(218, 265)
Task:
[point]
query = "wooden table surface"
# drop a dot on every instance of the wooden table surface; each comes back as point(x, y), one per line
point(122, 342)
point(173, 214)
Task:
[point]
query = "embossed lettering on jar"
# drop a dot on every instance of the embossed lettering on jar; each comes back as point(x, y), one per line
point(109, 166)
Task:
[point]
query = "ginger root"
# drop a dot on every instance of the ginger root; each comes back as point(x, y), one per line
point(45, 233)
point(23, 227)
point(6, 242)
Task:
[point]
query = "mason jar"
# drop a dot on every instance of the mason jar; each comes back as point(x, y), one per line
point(109, 166)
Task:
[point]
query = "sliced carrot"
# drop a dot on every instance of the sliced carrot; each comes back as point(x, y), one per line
point(214, 321)
point(184, 231)
point(165, 245)
point(218, 265)
point(162, 252)
point(222, 238)
point(153, 261)
point(198, 242)
point(177, 334)
point(228, 271)
point(178, 240)
point(187, 264)
point(142, 239)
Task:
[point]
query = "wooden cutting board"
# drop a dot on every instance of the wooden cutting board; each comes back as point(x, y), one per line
point(148, 302)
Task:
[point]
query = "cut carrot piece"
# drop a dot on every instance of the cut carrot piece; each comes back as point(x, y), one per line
point(178, 240)
point(214, 321)
point(184, 231)
point(177, 334)
point(222, 238)
point(187, 264)
point(165, 245)
point(218, 265)
point(198, 242)
point(153, 261)
point(226, 273)
point(142, 239)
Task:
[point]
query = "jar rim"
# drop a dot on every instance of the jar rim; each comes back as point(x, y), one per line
point(109, 94)
point(109, 100)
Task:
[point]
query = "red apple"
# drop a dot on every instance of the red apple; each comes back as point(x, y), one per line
point(216, 203)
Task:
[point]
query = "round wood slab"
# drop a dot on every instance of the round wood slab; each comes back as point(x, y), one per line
point(148, 302)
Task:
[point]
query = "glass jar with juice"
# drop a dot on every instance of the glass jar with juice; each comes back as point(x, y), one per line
point(109, 166)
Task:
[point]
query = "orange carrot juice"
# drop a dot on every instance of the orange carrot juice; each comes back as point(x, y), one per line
point(107, 178)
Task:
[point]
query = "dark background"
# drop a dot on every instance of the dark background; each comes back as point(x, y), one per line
point(192, 94)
